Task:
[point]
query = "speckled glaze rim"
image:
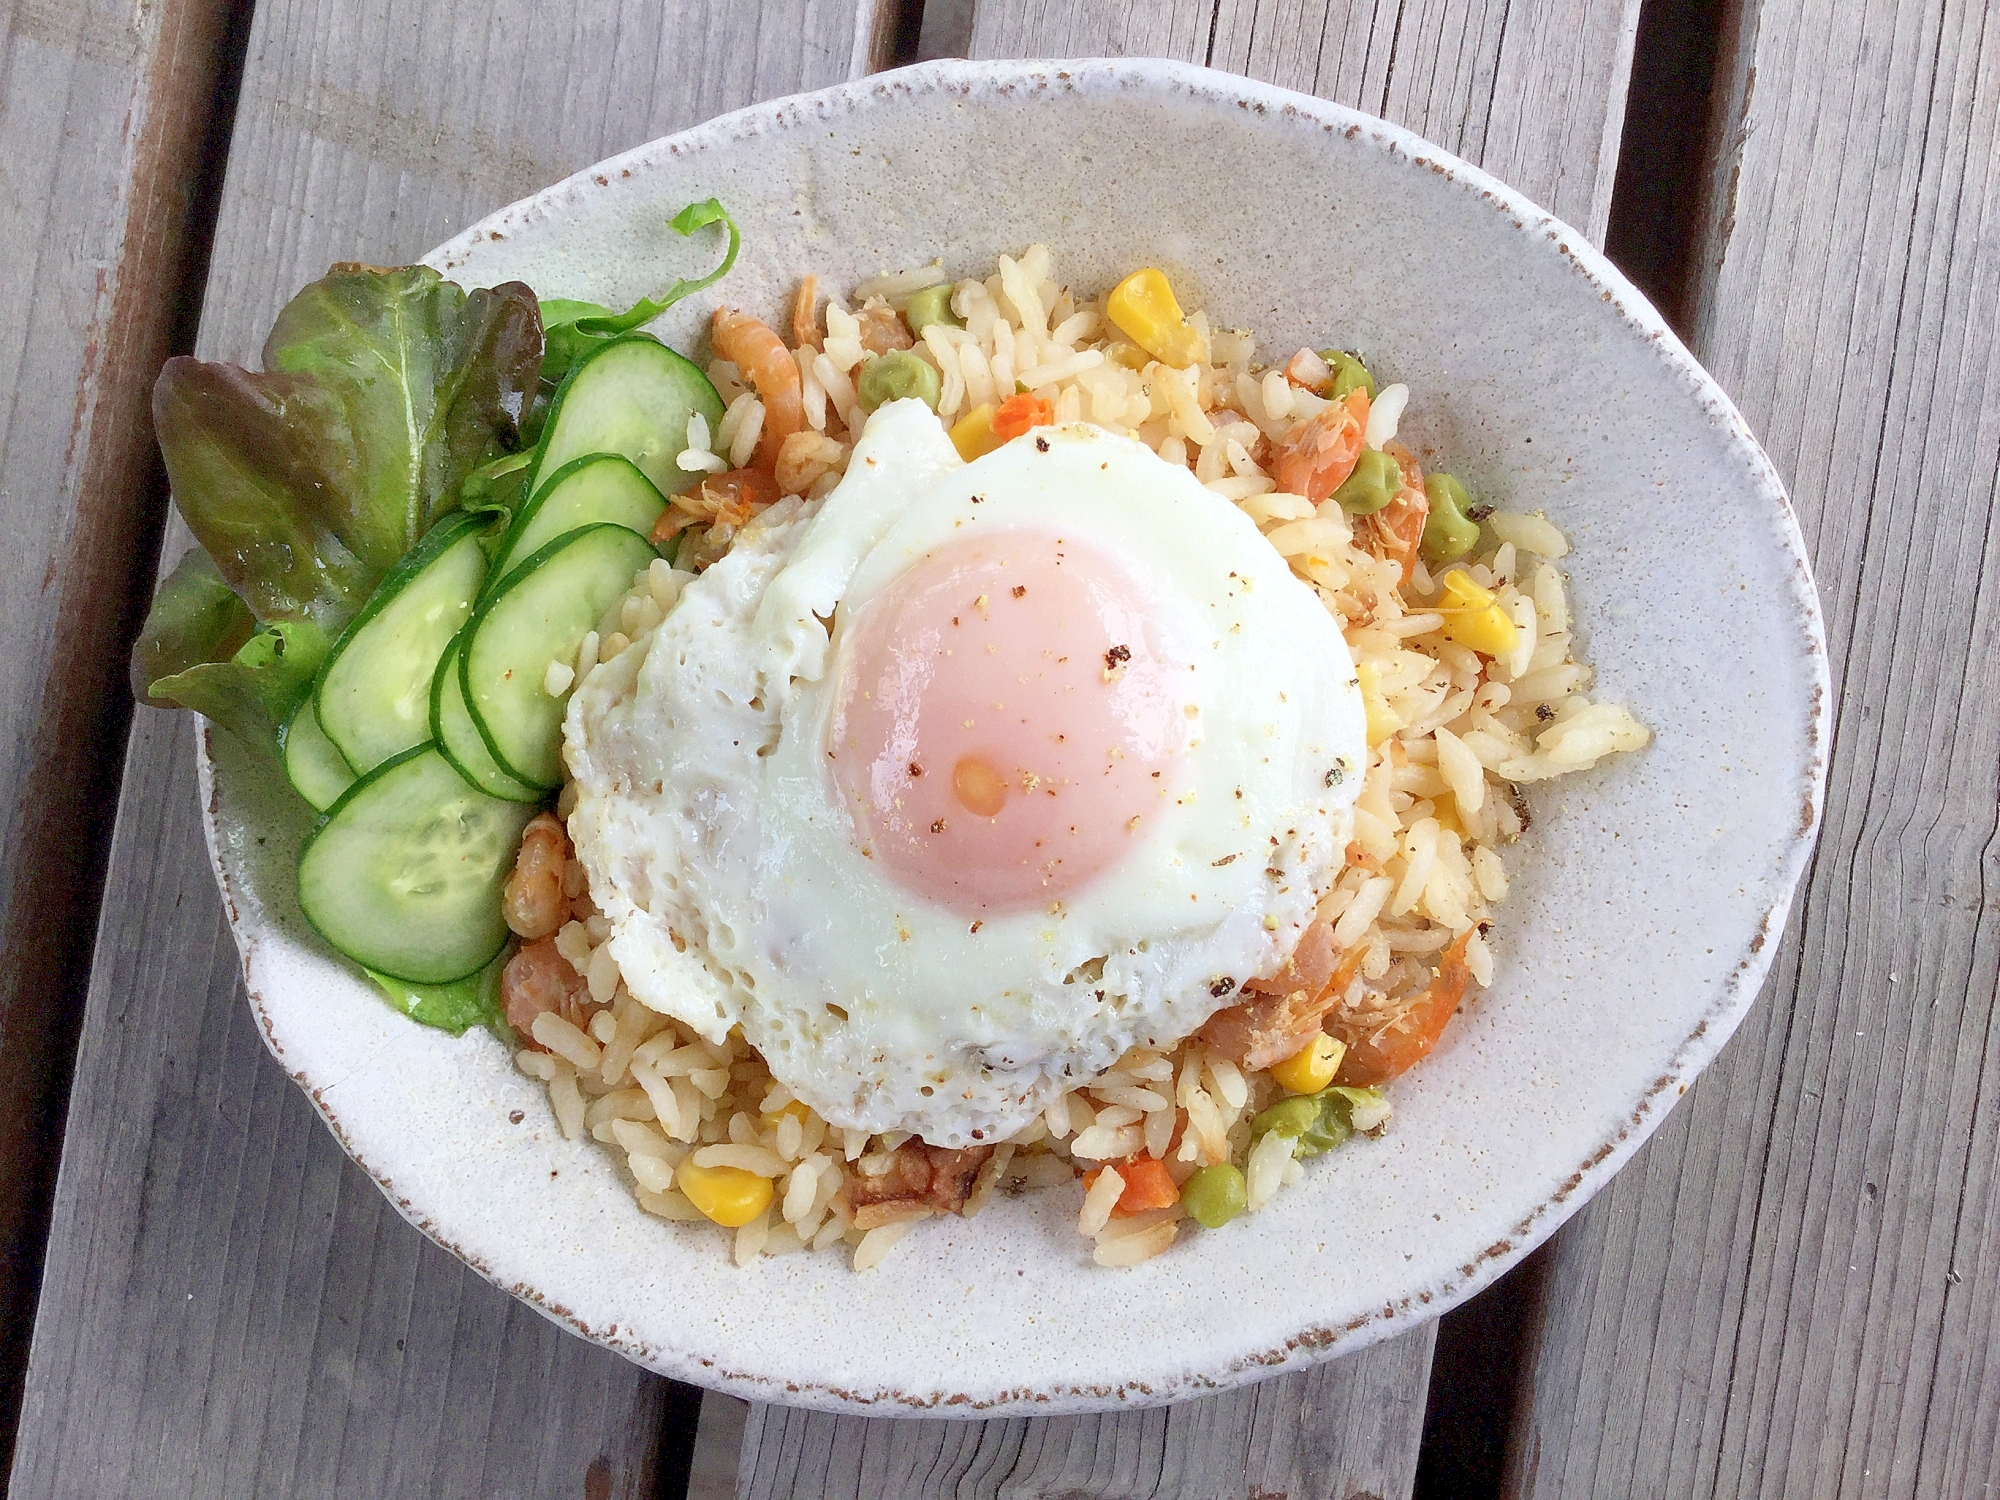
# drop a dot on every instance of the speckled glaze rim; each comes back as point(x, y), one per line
point(1726, 1008)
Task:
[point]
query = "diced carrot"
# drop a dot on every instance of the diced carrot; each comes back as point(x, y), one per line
point(1017, 414)
point(1148, 1184)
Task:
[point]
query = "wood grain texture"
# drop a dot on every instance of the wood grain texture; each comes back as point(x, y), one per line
point(230, 1307)
point(1793, 1289)
point(103, 112)
point(1535, 92)
point(1344, 1429)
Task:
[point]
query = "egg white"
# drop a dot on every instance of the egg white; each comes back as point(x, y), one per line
point(717, 845)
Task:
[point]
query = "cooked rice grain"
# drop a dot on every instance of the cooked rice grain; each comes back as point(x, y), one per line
point(1438, 799)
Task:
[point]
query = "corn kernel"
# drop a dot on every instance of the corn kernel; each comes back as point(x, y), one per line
point(730, 1196)
point(1445, 810)
point(1473, 617)
point(1145, 310)
point(1381, 720)
point(973, 434)
point(796, 1109)
point(1312, 1067)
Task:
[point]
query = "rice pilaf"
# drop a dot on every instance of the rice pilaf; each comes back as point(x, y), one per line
point(1453, 734)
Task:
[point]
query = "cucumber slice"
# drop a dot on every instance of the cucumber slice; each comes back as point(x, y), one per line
point(404, 874)
point(632, 396)
point(538, 615)
point(314, 764)
point(458, 738)
point(374, 693)
point(596, 487)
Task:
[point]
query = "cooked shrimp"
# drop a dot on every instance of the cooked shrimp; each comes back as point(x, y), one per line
point(539, 979)
point(882, 327)
point(1279, 1015)
point(919, 1179)
point(726, 499)
point(1309, 968)
point(1395, 531)
point(1315, 458)
point(768, 365)
point(1397, 1047)
point(1307, 371)
point(532, 900)
point(805, 315)
point(805, 459)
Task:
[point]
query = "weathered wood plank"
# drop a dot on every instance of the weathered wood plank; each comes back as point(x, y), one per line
point(1792, 1291)
point(103, 115)
point(230, 1307)
point(1343, 1429)
point(1535, 92)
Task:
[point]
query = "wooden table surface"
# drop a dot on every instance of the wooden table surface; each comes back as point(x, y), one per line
point(1791, 1291)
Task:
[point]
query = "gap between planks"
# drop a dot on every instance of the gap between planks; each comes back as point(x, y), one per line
point(1483, 80)
point(375, 157)
point(230, 1307)
point(107, 123)
point(1792, 1290)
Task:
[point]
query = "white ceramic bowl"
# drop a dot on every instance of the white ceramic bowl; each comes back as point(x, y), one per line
point(1646, 902)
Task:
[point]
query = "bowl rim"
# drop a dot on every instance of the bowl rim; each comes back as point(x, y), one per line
point(1717, 1022)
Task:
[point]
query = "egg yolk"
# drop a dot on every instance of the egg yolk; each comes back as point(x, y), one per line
point(1007, 721)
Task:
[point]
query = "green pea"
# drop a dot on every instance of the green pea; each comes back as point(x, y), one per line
point(1313, 1122)
point(931, 305)
point(1291, 1118)
point(892, 376)
point(1348, 374)
point(1329, 1128)
point(1214, 1195)
point(1373, 484)
point(1448, 532)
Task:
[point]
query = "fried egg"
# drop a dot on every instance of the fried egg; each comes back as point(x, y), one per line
point(951, 788)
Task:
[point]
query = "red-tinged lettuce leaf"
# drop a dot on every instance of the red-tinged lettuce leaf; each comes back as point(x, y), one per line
point(255, 462)
point(255, 690)
point(383, 390)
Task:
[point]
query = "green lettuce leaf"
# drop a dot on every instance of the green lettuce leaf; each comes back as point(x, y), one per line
point(571, 328)
point(382, 391)
point(494, 490)
point(254, 690)
point(454, 1007)
point(196, 617)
